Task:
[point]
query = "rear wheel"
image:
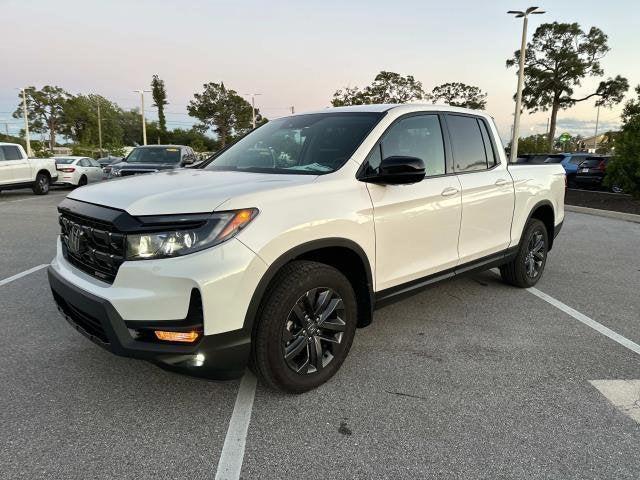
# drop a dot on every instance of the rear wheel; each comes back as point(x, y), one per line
point(41, 185)
point(527, 267)
point(83, 181)
point(305, 327)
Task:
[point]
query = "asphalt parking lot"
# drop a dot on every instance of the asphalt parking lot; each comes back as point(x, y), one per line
point(468, 379)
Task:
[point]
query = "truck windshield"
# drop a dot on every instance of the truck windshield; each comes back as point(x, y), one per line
point(312, 144)
point(154, 155)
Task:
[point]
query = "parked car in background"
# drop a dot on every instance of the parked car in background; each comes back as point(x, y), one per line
point(108, 160)
point(153, 158)
point(592, 171)
point(532, 158)
point(280, 246)
point(570, 162)
point(19, 171)
point(77, 171)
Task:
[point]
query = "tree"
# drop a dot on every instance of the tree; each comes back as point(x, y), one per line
point(459, 95)
point(80, 121)
point(223, 110)
point(45, 109)
point(533, 144)
point(624, 169)
point(159, 95)
point(387, 87)
point(558, 58)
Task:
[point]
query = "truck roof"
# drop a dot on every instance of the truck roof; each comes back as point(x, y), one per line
point(385, 107)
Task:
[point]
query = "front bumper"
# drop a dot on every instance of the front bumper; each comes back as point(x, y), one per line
point(222, 356)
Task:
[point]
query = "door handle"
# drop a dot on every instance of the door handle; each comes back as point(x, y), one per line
point(501, 181)
point(449, 191)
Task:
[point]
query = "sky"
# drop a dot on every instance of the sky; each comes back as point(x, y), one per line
point(294, 53)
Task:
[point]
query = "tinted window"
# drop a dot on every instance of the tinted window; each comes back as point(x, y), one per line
point(65, 161)
point(84, 163)
point(154, 155)
point(488, 147)
point(303, 144)
point(577, 159)
point(11, 152)
point(417, 136)
point(94, 163)
point(554, 159)
point(469, 153)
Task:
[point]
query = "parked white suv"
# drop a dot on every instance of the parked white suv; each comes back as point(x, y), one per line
point(281, 245)
point(19, 171)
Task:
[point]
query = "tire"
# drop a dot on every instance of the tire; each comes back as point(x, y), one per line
point(83, 181)
point(526, 269)
point(42, 184)
point(571, 181)
point(312, 288)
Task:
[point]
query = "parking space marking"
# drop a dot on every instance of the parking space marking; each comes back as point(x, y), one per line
point(623, 394)
point(37, 197)
point(22, 274)
point(230, 463)
point(616, 337)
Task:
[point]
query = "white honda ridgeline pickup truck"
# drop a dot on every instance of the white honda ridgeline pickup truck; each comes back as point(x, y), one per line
point(19, 171)
point(282, 244)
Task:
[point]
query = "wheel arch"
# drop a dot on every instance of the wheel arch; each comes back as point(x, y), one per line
point(544, 212)
point(42, 170)
point(341, 253)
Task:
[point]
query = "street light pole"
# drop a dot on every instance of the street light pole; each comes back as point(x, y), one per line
point(144, 123)
point(253, 107)
point(99, 129)
point(595, 138)
point(523, 47)
point(26, 122)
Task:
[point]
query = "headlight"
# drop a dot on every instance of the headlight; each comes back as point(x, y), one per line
point(218, 228)
point(115, 172)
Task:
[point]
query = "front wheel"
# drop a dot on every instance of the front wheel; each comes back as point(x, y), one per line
point(305, 327)
point(41, 185)
point(527, 267)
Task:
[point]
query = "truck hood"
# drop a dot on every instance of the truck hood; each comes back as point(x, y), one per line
point(181, 191)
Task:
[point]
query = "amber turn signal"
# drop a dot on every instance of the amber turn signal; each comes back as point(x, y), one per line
point(187, 337)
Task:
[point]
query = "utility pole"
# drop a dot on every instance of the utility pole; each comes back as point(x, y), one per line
point(523, 48)
point(99, 128)
point(26, 122)
point(144, 123)
point(6, 125)
point(253, 107)
point(595, 138)
point(293, 110)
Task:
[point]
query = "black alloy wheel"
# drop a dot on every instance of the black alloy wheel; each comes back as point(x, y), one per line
point(313, 331)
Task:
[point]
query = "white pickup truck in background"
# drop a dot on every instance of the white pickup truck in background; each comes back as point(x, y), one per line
point(17, 170)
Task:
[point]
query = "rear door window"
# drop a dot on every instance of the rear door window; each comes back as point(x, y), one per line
point(469, 152)
point(11, 152)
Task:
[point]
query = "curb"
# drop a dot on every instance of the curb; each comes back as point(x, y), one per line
point(628, 217)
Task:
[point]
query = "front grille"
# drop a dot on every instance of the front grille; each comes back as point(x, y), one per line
point(93, 246)
point(128, 172)
point(89, 324)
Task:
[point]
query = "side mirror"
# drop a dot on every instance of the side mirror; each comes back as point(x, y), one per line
point(396, 171)
point(188, 160)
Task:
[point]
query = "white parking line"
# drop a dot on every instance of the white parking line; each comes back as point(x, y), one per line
point(22, 274)
point(230, 463)
point(616, 337)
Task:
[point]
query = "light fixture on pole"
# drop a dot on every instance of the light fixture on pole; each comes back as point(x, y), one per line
point(523, 48)
point(26, 121)
point(253, 107)
point(144, 123)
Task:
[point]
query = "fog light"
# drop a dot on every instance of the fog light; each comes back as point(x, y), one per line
point(187, 337)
